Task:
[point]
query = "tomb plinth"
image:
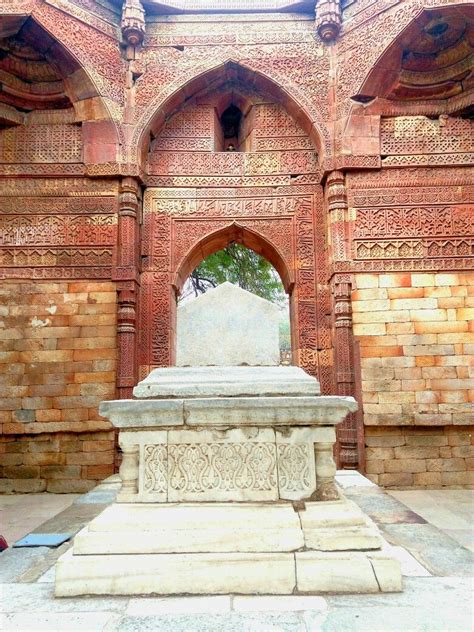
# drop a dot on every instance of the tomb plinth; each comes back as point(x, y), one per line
point(227, 434)
point(228, 487)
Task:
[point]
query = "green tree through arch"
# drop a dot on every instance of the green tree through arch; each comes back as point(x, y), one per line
point(241, 266)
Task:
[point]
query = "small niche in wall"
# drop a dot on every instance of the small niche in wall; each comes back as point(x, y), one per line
point(230, 122)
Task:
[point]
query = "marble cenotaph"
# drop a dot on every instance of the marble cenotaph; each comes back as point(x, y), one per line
point(228, 475)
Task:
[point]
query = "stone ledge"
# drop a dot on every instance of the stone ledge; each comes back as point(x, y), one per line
point(226, 381)
point(227, 573)
point(228, 411)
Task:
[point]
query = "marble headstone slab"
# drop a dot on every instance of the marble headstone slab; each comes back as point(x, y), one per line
point(228, 326)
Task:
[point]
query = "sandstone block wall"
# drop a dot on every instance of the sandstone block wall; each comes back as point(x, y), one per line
point(416, 337)
point(58, 360)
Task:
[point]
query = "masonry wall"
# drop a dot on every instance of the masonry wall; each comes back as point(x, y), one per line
point(58, 361)
point(416, 337)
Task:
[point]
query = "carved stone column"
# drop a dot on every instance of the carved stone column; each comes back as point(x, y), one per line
point(129, 469)
point(325, 472)
point(328, 19)
point(336, 197)
point(344, 363)
point(126, 274)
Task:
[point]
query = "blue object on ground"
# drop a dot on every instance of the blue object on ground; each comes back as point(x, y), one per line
point(43, 539)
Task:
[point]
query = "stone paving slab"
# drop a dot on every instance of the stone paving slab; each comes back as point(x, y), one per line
point(434, 549)
point(381, 507)
point(233, 622)
point(16, 562)
point(59, 622)
point(39, 597)
point(21, 513)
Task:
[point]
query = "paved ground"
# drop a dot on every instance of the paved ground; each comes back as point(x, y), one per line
point(451, 511)
point(426, 530)
point(21, 513)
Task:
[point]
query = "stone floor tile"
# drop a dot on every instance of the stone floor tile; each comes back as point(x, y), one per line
point(434, 549)
point(279, 603)
point(22, 513)
point(438, 509)
point(59, 622)
point(233, 622)
point(465, 537)
point(383, 619)
point(39, 598)
point(147, 606)
point(429, 592)
point(15, 562)
point(48, 577)
point(381, 507)
point(411, 567)
point(352, 478)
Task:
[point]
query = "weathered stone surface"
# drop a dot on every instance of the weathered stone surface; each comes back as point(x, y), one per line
point(288, 411)
point(338, 526)
point(198, 573)
point(228, 326)
point(199, 528)
point(133, 414)
point(286, 457)
point(319, 572)
point(228, 381)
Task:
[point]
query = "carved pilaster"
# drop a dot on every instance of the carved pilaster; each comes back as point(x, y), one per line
point(336, 196)
point(133, 22)
point(328, 19)
point(129, 469)
point(344, 362)
point(126, 274)
point(325, 472)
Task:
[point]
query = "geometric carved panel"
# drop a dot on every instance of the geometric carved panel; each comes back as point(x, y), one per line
point(41, 143)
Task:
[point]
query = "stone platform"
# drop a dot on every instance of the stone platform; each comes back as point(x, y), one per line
point(222, 548)
point(228, 487)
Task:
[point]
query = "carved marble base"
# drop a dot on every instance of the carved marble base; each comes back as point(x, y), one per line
point(227, 434)
point(239, 464)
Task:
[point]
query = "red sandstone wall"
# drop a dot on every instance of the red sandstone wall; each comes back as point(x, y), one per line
point(416, 337)
point(58, 359)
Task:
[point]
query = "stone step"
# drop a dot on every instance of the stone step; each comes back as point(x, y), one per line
point(189, 516)
point(226, 573)
point(235, 539)
point(227, 528)
point(188, 528)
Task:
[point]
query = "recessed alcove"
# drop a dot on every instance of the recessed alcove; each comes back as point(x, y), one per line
point(230, 123)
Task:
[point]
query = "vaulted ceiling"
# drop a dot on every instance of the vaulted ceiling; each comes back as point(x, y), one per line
point(433, 59)
point(32, 68)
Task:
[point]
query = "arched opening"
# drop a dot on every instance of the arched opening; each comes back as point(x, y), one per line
point(39, 74)
point(49, 107)
point(234, 233)
point(263, 272)
point(248, 270)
